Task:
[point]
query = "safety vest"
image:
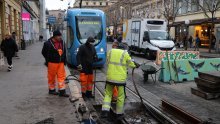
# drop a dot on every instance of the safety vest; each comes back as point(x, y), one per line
point(117, 61)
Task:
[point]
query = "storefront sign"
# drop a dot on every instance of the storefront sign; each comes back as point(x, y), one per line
point(176, 55)
point(25, 16)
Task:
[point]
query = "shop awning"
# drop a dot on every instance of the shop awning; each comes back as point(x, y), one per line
point(196, 22)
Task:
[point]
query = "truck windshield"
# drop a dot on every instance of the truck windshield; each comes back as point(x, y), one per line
point(87, 26)
point(158, 35)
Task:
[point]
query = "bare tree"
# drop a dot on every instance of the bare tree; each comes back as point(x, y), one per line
point(209, 7)
point(170, 11)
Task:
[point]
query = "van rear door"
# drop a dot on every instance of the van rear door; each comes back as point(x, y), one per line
point(135, 33)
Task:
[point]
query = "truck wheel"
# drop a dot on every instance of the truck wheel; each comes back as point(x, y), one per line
point(147, 54)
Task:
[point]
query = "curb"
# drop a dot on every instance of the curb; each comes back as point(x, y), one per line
point(84, 111)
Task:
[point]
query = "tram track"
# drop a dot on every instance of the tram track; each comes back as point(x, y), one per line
point(150, 108)
point(155, 111)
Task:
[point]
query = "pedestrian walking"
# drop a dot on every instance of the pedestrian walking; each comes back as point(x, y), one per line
point(190, 41)
point(14, 35)
point(41, 38)
point(197, 43)
point(117, 62)
point(185, 42)
point(54, 53)
point(9, 47)
point(86, 57)
point(213, 41)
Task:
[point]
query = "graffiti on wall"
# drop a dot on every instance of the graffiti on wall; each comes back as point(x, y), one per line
point(176, 55)
point(181, 70)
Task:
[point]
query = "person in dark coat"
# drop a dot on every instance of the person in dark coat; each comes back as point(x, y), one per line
point(14, 35)
point(86, 56)
point(190, 41)
point(9, 47)
point(54, 53)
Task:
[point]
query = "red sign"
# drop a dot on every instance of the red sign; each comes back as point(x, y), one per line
point(25, 16)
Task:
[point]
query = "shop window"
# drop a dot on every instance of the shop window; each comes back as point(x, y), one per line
point(70, 36)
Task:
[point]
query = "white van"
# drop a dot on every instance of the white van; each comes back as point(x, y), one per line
point(147, 36)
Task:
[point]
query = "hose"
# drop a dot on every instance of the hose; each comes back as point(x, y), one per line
point(142, 102)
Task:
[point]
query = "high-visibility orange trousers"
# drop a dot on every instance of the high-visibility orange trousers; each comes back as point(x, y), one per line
point(86, 82)
point(56, 70)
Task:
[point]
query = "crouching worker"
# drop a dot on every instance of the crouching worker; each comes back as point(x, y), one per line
point(86, 56)
point(117, 62)
point(54, 53)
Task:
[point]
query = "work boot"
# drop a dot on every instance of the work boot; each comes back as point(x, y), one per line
point(89, 94)
point(84, 96)
point(104, 114)
point(118, 119)
point(63, 93)
point(53, 92)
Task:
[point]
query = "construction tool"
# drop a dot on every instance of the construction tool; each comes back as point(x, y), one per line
point(171, 80)
point(176, 70)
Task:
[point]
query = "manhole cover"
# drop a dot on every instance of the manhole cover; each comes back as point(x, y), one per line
point(46, 121)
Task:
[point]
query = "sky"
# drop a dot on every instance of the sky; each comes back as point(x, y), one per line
point(58, 4)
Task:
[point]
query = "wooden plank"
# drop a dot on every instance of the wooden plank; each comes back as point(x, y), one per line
point(207, 85)
point(211, 76)
point(203, 94)
point(180, 113)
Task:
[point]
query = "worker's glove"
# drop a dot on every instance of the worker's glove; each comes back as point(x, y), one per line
point(137, 64)
point(79, 67)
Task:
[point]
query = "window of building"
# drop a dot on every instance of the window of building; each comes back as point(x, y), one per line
point(87, 3)
point(194, 6)
point(182, 6)
point(94, 3)
point(106, 3)
point(9, 19)
point(100, 3)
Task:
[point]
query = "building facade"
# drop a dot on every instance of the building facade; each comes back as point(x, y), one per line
point(198, 23)
point(58, 23)
point(97, 4)
point(122, 10)
point(10, 19)
point(30, 24)
point(11, 12)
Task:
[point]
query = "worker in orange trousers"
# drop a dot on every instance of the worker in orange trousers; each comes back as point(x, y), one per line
point(54, 53)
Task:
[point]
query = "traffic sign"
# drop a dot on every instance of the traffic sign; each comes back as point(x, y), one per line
point(51, 19)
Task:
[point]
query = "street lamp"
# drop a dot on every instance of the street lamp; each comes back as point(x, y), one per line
point(122, 13)
point(187, 33)
point(187, 26)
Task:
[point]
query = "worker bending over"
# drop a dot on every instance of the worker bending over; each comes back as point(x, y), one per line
point(117, 62)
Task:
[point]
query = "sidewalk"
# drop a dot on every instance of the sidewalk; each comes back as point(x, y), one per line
point(204, 52)
point(24, 95)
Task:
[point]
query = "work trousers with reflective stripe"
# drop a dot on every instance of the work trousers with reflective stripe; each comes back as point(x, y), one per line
point(56, 70)
point(86, 82)
point(108, 97)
